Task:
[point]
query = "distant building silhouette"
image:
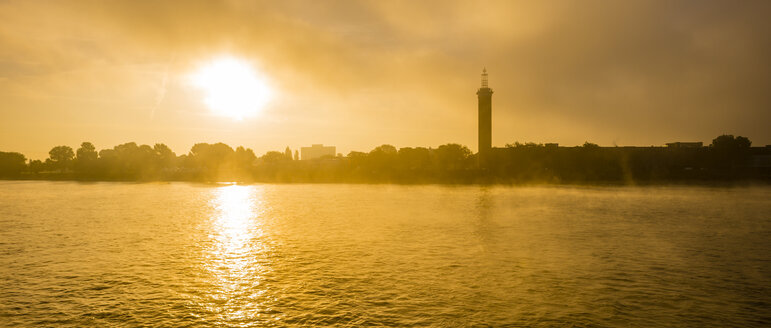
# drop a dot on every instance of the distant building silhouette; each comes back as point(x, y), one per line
point(685, 144)
point(485, 95)
point(316, 151)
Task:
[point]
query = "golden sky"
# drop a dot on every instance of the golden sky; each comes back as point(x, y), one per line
point(360, 74)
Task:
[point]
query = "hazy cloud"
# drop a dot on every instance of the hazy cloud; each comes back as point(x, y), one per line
point(357, 74)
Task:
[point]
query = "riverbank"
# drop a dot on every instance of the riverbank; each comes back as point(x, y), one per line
point(482, 181)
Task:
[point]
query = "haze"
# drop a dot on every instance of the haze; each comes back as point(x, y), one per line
point(360, 74)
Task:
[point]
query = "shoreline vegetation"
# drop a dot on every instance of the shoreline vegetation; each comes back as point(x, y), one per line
point(727, 160)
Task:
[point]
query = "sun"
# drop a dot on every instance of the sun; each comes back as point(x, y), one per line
point(232, 87)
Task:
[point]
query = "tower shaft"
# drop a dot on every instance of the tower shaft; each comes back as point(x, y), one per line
point(485, 120)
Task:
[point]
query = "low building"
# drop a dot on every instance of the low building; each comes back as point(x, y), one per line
point(685, 144)
point(316, 151)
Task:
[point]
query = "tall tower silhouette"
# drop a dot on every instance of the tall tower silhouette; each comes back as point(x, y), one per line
point(485, 95)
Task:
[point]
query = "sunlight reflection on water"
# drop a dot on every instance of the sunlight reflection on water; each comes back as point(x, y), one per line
point(235, 260)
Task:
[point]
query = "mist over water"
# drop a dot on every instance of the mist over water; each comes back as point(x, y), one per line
point(177, 254)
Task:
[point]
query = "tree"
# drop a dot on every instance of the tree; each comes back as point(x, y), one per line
point(273, 157)
point(163, 151)
point(87, 152)
point(35, 166)
point(211, 156)
point(244, 157)
point(517, 144)
point(85, 162)
point(727, 141)
point(589, 145)
point(61, 157)
point(384, 150)
point(382, 159)
point(166, 157)
point(452, 157)
point(729, 151)
point(11, 164)
point(743, 142)
point(414, 158)
point(288, 153)
point(383, 154)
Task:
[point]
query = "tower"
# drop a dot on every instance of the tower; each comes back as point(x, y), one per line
point(485, 95)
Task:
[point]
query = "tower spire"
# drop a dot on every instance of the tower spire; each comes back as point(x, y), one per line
point(484, 77)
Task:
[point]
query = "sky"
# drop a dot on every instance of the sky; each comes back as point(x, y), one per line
point(358, 74)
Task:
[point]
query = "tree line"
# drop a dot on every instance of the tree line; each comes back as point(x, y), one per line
point(726, 158)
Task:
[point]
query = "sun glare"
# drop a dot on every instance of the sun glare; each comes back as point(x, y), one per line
point(232, 87)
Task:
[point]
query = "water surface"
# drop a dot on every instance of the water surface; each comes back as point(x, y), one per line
point(177, 254)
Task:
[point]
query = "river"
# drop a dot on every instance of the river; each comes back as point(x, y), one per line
point(180, 254)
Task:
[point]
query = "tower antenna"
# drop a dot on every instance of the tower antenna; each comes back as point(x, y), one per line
point(484, 77)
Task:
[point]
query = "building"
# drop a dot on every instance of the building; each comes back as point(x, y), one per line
point(685, 144)
point(316, 151)
point(485, 129)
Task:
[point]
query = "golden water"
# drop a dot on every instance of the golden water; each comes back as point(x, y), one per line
point(117, 254)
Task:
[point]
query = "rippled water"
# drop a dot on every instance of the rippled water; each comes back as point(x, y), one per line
point(114, 254)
